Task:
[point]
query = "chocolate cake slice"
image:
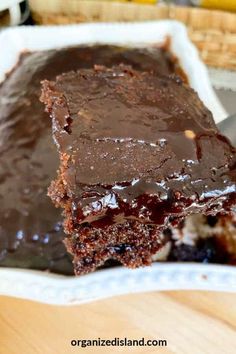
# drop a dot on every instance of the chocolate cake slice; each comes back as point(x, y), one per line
point(139, 152)
point(31, 234)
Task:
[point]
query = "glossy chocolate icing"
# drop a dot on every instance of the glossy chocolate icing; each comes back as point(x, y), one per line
point(136, 146)
point(30, 226)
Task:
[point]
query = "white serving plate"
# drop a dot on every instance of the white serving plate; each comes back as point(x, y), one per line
point(57, 289)
point(64, 290)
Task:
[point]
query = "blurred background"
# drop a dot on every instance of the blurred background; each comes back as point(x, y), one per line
point(211, 26)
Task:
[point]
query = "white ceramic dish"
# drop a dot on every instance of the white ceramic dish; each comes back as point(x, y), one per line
point(54, 289)
point(63, 290)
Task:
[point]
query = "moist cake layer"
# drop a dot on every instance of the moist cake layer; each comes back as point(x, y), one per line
point(134, 147)
point(30, 226)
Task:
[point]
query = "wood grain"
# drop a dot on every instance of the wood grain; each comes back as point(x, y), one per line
point(191, 322)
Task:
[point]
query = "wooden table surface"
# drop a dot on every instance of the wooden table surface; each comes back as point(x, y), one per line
point(191, 322)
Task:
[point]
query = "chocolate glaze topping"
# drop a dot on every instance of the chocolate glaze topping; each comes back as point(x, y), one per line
point(137, 146)
point(30, 226)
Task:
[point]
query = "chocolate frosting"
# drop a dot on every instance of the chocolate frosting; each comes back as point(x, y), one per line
point(136, 146)
point(30, 226)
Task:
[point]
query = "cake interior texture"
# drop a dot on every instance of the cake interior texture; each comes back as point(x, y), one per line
point(139, 153)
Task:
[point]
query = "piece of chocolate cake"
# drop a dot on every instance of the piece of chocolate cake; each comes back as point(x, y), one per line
point(31, 235)
point(139, 152)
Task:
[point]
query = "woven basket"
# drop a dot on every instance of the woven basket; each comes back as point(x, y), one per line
point(213, 32)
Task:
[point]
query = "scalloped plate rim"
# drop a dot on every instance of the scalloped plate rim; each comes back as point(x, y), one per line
point(57, 289)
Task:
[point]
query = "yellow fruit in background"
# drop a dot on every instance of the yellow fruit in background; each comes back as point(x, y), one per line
point(139, 1)
point(229, 5)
